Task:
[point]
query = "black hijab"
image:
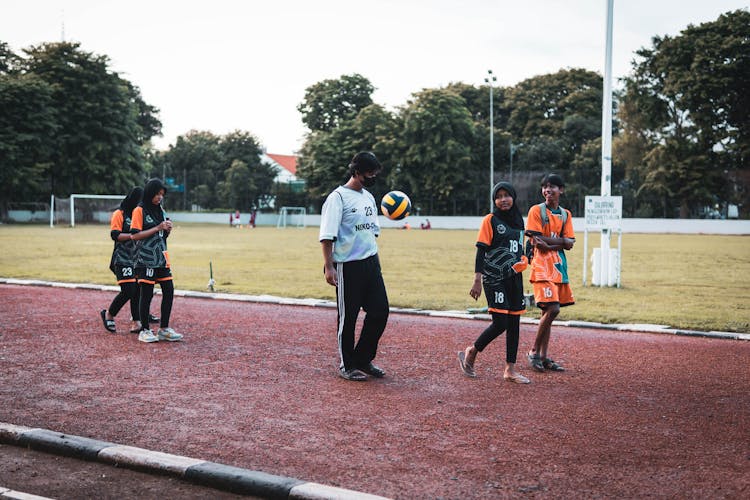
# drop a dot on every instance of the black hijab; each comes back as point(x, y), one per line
point(153, 186)
point(131, 201)
point(512, 217)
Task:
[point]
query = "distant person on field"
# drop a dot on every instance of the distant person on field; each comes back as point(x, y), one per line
point(151, 228)
point(549, 228)
point(237, 222)
point(426, 224)
point(253, 214)
point(122, 262)
point(348, 228)
point(497, 268)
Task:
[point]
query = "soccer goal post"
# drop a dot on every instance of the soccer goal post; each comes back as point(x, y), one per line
point(291, 216)
point(96, 208)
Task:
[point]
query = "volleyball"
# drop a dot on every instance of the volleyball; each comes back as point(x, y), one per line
point(395, 205)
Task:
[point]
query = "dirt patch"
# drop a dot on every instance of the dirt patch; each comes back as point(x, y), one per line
point(255, 386)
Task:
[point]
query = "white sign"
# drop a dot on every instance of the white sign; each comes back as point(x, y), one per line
point(603, 212)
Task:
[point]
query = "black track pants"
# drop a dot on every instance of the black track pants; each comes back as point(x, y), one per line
point(360, 286)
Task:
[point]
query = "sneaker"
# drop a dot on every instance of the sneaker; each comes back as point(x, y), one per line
point(147, 336)
point(353, 374)
point(373, 370)
point(169, 334)
point(535, 361)
point(153, 319)
point(552, 365)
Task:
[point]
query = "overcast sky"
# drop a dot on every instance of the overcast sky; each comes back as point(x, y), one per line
point(221, 65)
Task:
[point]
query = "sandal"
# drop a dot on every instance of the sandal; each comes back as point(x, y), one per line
point(550, 364)
point(535, 361)
point(517, 378)
point(465, 367)
point(109, 324)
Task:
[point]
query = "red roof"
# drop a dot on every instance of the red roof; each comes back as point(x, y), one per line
point(289, 162)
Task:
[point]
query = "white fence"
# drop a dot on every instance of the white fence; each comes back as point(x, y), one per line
point(676, 226)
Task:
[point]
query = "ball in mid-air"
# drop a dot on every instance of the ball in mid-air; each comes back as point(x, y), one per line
point(395, 205)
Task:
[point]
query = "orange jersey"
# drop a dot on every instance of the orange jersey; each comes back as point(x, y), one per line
point(549, 265)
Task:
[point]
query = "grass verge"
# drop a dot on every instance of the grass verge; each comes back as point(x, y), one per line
point(682, 281)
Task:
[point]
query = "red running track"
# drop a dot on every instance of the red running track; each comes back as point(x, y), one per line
point(255, 386)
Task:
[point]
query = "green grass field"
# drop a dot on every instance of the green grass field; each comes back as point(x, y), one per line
point(683, 281)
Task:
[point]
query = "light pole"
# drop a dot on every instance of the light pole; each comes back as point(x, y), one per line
point(513, 149)
point(491, 78)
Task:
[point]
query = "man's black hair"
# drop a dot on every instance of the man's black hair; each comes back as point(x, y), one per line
point(553, 179)
point(363, 162)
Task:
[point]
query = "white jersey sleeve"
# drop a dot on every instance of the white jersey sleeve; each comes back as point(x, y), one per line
point(330, 216)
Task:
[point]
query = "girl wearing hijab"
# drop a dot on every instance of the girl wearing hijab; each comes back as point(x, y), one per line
point(121, 263)
point(151, 228)
point(498, 266)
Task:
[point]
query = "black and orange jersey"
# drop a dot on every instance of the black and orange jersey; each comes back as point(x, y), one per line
point(152, 252)
point(123, 255)
point(552, 265)
point(503, 247)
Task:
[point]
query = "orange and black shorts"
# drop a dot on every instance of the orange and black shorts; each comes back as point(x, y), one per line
point(153, 275)
point(547, 292)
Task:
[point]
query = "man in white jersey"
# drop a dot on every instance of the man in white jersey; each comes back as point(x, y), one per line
point(348, 228)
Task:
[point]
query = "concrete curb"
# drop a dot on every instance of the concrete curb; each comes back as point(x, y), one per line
point(214, 475)
point(19, 495)
point(271, 299)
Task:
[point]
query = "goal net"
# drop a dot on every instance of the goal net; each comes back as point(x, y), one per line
point(83, 208)
point(291, 216)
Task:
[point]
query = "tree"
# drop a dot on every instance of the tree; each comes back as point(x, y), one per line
point(325, 154)
point(238, 186)
point(330, 102)
point(438, 133)
point(689, 95)
point(239, 146)
point(197, 158)
point(27, 123)
point(540, 106)
point(101, 121)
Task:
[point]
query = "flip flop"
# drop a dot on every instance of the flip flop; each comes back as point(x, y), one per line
point(517, 378)
point(109, 324)
point(468, 370)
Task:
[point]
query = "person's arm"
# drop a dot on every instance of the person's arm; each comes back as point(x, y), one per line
point(328, 269)
point(476, 287)
point(136, 226)
point(549, 243)
point(165, 225)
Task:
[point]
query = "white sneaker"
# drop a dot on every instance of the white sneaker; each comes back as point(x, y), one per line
point(169, 334)
point(147, 336)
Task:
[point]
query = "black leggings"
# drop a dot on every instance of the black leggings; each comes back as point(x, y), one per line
point(128, 292)
point(501, 322)
point(167, 296)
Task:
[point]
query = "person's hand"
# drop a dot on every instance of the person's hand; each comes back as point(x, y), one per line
point(476, 289)
point(330, 273)
point(521, 265)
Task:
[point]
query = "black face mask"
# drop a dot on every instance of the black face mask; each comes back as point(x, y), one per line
point(369, 181)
